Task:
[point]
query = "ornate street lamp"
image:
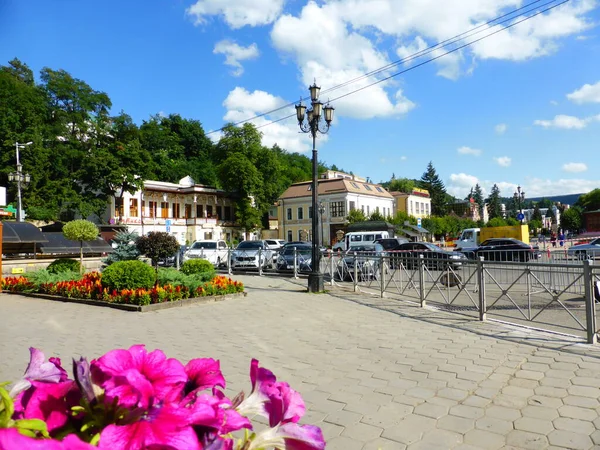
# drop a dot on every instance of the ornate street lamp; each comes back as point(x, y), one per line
point(321, 212)
point(22, 180)
point(314, 125)
point(519, 198)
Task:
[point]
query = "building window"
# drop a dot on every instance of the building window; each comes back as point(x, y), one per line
point(289, 236)
point(352, 206)
point(337, 209)
point(199, 211)
point(355, 185)
point(143, 207)
point(368, 212)
point(300, 213)
point(133, 207)
point(118, 207)
point(379, 189)
point(228, 213)
point(362, 208)
point(219, 212)
point(427, 208)
point(289, 215)
point(368, 188)
point(164, 209)
point(209, 211)
point(153, 206)
point(377, 209)
point(176, 210)
point(188, 211)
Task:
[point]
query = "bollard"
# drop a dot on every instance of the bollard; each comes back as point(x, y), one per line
point(295, 264)
point(590, 307)
point(331, 267)
point(260, 272)
point(422, 281)
point(481, 282)
point(229, 261)
point(355, 280)
point(382, 275)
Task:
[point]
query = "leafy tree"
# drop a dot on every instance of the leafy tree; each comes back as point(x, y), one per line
point(535, 225)
point(157, 245)
point(537, 215)
point(545, 203)
point(402, 185)
point(494, 205)
point(496, 222)
point(80, 230)
point(571, 220)
point(126, 248)
point(376, 215)
point(590, 201)
point(356, 215)
point(431, 181)
point(478, 197)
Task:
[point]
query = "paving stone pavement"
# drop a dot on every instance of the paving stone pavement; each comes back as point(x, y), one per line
point(375, 373)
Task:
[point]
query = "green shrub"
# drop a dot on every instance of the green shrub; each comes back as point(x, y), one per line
point(64, 265)
point(193, 266)
point(128, 275)
point(44, 276)
point(176, 278)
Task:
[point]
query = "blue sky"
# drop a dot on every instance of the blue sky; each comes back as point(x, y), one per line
point(519, 108)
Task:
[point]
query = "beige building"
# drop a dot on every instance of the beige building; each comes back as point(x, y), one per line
point(187, 210)
point(337, 196)
point(416, 204)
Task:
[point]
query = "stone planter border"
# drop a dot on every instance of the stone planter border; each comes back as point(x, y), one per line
point(135, 308)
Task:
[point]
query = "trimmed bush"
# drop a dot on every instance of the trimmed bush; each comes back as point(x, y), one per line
point(128, 275)
point(64, 265)
point(194, 266)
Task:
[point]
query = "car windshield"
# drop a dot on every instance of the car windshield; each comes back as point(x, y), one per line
point(366, 248)
point(432, 247)
point(595, 242)
point(250, 245)
point(302, 250)
point(206, 245)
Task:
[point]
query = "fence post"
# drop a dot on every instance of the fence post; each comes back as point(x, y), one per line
point(590, 308)
point(422, 281)
point(331, 266)
point(481, 282)
point(260, 262)
point(229, 251)
point(382, 275)
point(296, 264)
point(355, 277)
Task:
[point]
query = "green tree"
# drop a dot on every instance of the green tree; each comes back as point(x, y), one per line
point(431, 181)
point(537, 215)
point(402, 185)
point(80, 230)
point(571, 220)
point(478, 198)
point(589, 201)
point(356, 215)
point(376, 216)
point(497, 222)
point(157, 245)
point(494, 205)
point(125, 248)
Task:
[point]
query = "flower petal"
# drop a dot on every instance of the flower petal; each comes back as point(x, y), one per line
point(204, 373)
point(39, 369)
point(50, 402)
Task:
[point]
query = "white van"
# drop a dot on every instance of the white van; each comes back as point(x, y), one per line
point(214, 251)
point(360, 238)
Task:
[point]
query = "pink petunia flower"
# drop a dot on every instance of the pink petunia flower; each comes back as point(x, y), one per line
point(11, 439)
point(263, 383)
point(50, 402)
point(138, 378)
point(39, 369)
point(290, 436)
point(203, 373)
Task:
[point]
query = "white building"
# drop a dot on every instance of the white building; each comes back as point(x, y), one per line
point(187, 210)
point(338, 196)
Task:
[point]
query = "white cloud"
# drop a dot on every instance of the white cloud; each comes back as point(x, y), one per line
point(242, 104)
point(538, 187)
point(574, 167)
point(503, 161)
point(460, 184)
point(501, 128)
point(588, 93)
point(469, 151)
point(235, 53)
point(237, 13)
point(403, 158)
point(567, 122)
point(553, 102)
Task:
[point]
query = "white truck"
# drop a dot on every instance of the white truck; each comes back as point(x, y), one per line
point(214, 251)
point(360, 238)
point(470, 238)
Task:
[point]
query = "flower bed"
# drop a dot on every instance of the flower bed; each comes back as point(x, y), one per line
point(135, 399)
point(89, 287)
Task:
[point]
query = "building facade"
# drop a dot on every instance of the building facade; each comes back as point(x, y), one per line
point(186, 210)
point(416, 204)
point(337, 197)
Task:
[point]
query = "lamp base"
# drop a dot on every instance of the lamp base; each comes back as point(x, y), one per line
point(315, 282)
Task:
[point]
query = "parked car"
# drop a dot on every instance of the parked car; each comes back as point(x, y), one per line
point(506, 249)
point(303, 255)
point(214, 251)
point(391, 243)
point(367, 260)
point(251, 255)
point(434, 257)
point(275, 244)
point(583, 251)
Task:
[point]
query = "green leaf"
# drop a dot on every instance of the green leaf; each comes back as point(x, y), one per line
point(7, 401)
point(33, 425)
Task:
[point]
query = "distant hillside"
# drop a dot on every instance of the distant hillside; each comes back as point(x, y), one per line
point(569, 199)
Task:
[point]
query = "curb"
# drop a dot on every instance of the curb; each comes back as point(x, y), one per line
point(133, 308)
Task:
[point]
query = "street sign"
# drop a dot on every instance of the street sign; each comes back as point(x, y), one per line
point(419, 222)
point(168, 225)
point(520, 216)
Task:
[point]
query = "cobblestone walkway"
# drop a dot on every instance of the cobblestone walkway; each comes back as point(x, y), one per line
point(374, 373)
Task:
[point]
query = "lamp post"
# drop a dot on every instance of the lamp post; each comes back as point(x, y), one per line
point(22, 180)
point(321, 212)
point(312, 126)
point(519, 198)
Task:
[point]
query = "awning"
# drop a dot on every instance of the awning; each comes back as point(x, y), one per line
point(20, 237)
point(408, 232)
point(417, 229)
point(58, 244)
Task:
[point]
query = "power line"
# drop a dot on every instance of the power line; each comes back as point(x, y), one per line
point(418, 54)
point(428, 61)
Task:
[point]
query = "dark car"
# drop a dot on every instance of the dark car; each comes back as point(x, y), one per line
point(366, 258)
point(434, 257)
point(302, 253)
point(506, 249)
point(391, 243)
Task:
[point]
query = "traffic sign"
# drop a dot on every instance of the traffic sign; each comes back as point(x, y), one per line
point(520, 216)
point(168, 225)
point(419, 222)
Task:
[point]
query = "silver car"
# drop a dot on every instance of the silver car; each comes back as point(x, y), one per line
point(583, 251)
point(251, 255)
